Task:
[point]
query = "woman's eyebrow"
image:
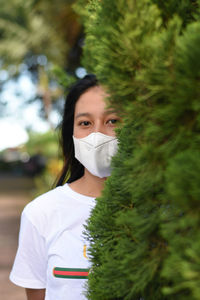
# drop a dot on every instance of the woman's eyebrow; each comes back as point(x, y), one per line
point(82, 115)
point(110, 111)
point(107, 112)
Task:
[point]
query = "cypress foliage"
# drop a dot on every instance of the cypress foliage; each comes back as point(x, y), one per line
point(144, 231)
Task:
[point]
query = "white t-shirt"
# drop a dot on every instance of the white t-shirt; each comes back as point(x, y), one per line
point(52, 249)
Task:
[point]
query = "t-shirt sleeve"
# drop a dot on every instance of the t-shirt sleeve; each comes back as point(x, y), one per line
point(29, 268)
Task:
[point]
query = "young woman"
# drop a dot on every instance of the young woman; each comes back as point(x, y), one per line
point(51, 261)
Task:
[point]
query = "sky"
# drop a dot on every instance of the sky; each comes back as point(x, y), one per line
point(11, 135)
point(18, 116)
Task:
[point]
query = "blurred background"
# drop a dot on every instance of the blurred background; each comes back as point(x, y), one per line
point(40, 56)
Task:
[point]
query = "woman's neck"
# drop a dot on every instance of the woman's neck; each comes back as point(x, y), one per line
point(88, 185)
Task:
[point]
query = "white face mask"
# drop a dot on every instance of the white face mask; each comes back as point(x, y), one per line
point(95, 152)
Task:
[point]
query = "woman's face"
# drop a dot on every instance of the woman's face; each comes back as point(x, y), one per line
point(92, 115)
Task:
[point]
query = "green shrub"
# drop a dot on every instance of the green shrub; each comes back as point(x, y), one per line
point(144, 230)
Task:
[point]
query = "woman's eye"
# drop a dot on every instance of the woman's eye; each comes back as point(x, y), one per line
point(84, 123)
point(112, 121)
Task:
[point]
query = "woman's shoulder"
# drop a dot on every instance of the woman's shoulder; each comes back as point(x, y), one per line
point(62, 197)
point(44, 200)
point(44, 206)
point(51, 209)
point(41, 211)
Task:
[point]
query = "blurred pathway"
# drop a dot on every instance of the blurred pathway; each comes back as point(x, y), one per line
point(14, 194)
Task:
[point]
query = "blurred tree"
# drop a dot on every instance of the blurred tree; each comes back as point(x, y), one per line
point(34, 34)
point(67, 24)
point(31, 27)
point(25, 33)
point(44, 147)
point(44, 143)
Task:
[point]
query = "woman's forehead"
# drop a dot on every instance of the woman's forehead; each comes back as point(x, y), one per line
point(92, 99)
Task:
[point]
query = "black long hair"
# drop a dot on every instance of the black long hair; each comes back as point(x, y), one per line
point(72, 168)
